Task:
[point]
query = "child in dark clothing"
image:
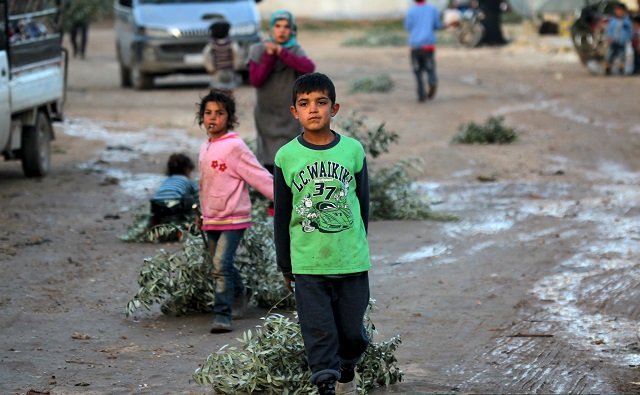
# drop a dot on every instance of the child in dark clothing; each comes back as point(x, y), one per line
point(635, 42)
point(321, 217)
point(219, 57)
point(174, 199)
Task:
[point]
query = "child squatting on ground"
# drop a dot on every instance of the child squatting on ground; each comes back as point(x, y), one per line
point(320, 225)
point(173, 200)
point(227, 165)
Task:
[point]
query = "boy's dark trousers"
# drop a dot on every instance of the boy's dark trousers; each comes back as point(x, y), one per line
point(423, 61)
point(331, 312)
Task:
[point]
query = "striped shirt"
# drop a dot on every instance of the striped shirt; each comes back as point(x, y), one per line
point(175, 187)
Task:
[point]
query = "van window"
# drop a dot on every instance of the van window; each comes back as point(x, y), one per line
point(125, 3)
point(186, 1)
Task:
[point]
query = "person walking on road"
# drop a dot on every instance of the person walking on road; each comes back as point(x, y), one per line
point(77, 15)
point(422, 21)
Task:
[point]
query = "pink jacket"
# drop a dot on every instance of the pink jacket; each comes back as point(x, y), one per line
point(227, 165)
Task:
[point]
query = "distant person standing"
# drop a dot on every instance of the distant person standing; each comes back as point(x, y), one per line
point(492, 21)
point(219, 57)
point(273, 67)
point(422, 21)
point(77, 14)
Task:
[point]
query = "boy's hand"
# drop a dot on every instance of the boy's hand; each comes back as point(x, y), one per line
point(288, 281)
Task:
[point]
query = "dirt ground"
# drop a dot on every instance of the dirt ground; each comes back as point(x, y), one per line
point(535, 290)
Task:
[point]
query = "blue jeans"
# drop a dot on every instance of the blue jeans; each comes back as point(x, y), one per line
point(331, 312)
point(222, 247)
point(615, 52)
point(423, 61)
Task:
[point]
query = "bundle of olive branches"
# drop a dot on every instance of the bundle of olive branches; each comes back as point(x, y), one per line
point(139, 231)
point(493, 131)
point(271, 359)
point(392, 191)
point(182, 283)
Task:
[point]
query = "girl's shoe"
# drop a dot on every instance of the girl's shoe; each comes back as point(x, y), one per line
point(239, 308)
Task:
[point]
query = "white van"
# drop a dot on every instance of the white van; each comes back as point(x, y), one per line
point(160, 37)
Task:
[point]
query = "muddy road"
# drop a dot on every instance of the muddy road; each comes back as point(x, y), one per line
point(535, 290)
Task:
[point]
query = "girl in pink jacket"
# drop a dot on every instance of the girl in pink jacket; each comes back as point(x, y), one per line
point(227, 165)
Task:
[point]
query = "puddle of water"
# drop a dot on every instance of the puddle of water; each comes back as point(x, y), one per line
point(480, 247)
point(488, 224)
point(139, 185)
point(565, 290)
point(554, 108)
point(149, 140)
point(429, 251)
point(618, 173)
point(126, 145)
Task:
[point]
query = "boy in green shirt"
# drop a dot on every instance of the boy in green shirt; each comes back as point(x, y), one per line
point(321, 218)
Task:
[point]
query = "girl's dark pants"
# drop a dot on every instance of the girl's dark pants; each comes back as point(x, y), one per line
point(331, 312)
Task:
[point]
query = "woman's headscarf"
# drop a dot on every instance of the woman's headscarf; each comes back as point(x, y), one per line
point(286, 15)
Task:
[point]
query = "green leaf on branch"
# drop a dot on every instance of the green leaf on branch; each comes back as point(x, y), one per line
point(271, 359)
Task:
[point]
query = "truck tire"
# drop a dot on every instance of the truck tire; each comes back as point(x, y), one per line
point(36, 147)
point(125, 76)
point(139, 79)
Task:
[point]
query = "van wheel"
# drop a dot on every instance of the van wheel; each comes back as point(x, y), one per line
point(36, 147)
point(125, 76)
point(139, 79)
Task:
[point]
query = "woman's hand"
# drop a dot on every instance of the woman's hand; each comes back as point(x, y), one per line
point(271, 48)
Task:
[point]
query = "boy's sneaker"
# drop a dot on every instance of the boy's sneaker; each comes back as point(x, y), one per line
point(239, 308)
point(221, 325)
point(346, 388)
point(432, 91)
point(327, 388)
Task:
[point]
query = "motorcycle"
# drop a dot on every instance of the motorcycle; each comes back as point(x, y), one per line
point(467, 25)
point(470, 30)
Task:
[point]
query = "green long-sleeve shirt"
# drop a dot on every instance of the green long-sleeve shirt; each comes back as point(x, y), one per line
point(321, 207)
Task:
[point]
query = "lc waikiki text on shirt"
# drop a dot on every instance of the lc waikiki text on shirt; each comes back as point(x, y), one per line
point(227, 165)
point(326, 191)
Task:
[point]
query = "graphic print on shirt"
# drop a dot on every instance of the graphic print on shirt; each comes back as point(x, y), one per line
point(324, 208)
point(219, 165)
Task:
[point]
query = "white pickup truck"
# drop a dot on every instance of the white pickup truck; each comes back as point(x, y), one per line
point(33, 68)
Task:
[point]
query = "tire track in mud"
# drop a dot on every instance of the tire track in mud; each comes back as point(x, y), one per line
point(577, 332)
